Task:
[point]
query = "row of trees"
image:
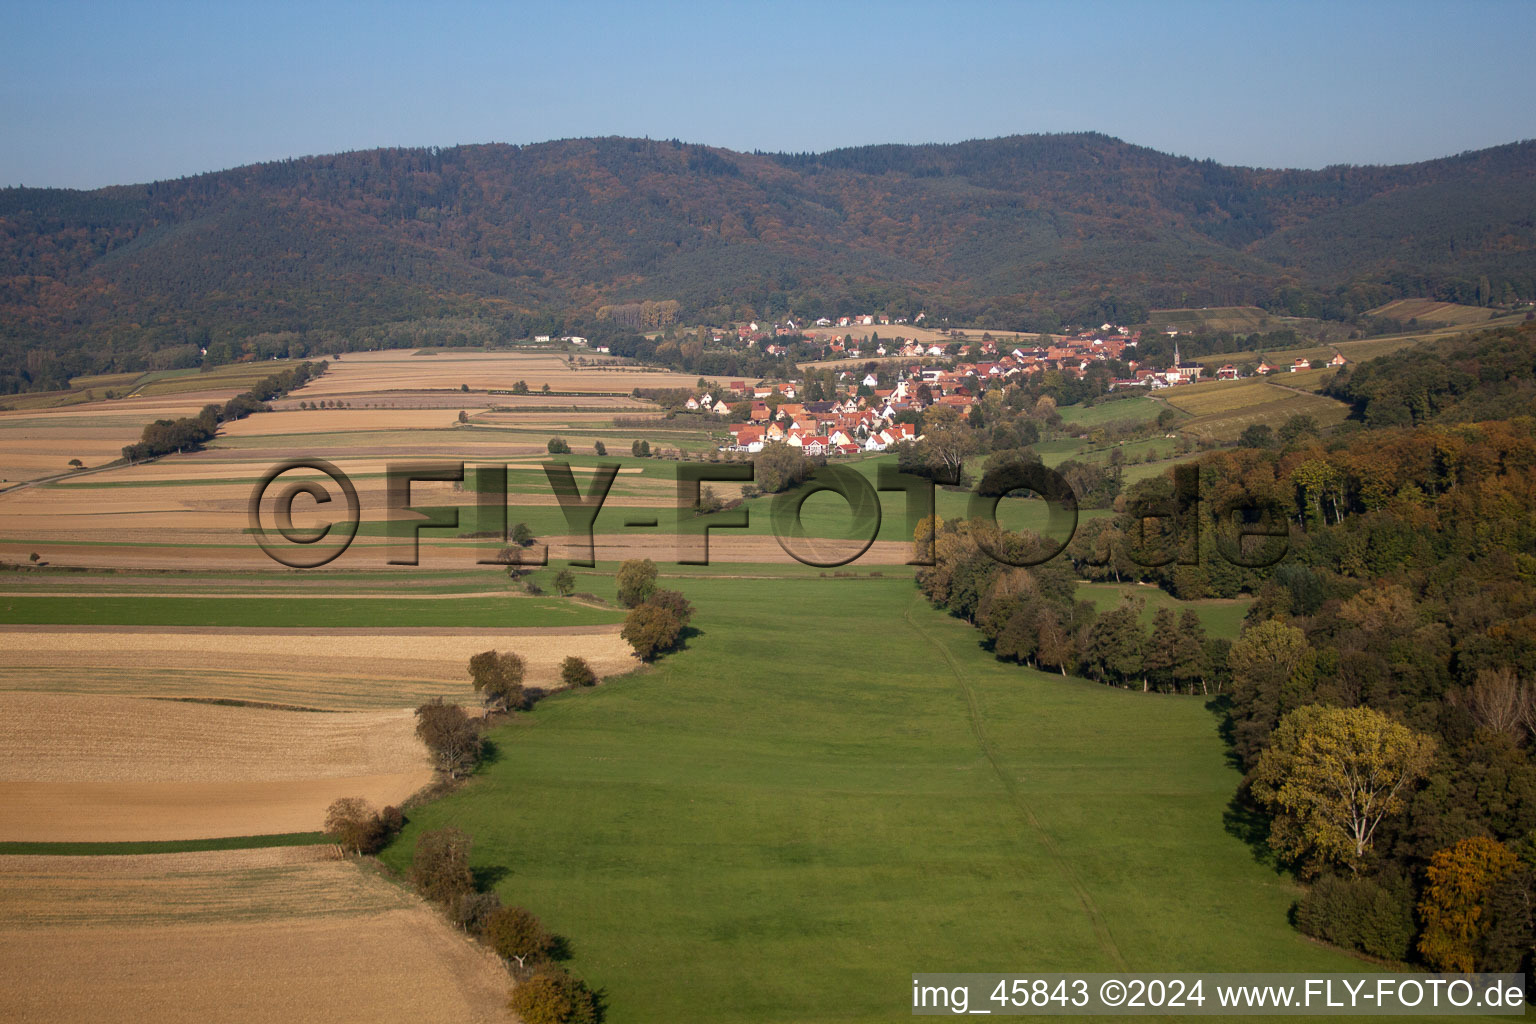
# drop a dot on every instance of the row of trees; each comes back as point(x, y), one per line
point(545, 993)
point(189, 433)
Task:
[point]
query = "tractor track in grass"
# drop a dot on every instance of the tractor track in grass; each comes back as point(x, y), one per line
point(1010, 786)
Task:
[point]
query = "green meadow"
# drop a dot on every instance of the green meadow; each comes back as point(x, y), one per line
point(834, 786)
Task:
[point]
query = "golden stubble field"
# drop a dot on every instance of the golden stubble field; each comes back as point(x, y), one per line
point(280, 935)
point(77, 767)
point(379, 373)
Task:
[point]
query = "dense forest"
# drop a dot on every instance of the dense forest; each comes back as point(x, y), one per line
point(1381, 697)
point(487, 244)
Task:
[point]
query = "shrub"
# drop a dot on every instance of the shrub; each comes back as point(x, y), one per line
point(553, 996)
point(515, 934)
point(440, 866)
point(575, 672)
point(1359, 914)
point(473, 911)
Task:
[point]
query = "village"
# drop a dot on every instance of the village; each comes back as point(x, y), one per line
point(874, 408)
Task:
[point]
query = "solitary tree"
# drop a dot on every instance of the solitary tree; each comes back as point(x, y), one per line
point(1331, 775)
point(576, 672)
point(522, 536)
point(636, 580)
point(599, 448)
point(498, 677)
point(565, 583)
point(558, 446)
point(651, 629)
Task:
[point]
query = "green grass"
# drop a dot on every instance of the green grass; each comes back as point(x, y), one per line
point(1136, 410)
point(834, 786)
point(288, 613)
point(1221, 618)
point(163, 846)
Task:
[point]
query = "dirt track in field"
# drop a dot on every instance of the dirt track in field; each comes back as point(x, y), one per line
point(291, 935)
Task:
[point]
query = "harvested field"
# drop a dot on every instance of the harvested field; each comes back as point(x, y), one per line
point(258, 935)
point(60, 737)
point(72, 812)
point(1430, 313)
point(78, 767)
point(370, 373)
point(334, 669)
point(1224, 410)
point(320, 421)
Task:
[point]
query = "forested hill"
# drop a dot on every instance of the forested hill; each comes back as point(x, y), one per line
point(1025, 231)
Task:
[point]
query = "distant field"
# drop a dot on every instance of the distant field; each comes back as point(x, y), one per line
point(261, 935)
point(1430, 313)
point(234, 378)
point(382, 372)
point(1223, 409)
point(243, 612)
point(1237, 319)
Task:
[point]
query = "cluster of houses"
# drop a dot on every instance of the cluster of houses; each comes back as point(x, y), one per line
point(863, 417)
point(846, 425)
point(1188, 373)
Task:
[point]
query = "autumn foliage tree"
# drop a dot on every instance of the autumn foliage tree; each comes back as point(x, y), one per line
point(357, 828)
point(651, 629)
point(498, 677)
point(450, 735)
point(552, 996)
point(516, 934)
point(440, 866)
point(1460, 882)
point(1331, 775)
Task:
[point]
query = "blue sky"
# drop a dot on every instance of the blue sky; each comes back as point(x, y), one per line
point(94, 94)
